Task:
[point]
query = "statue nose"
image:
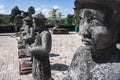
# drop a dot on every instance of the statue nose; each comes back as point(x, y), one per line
point(86, 33)
point(85, 30)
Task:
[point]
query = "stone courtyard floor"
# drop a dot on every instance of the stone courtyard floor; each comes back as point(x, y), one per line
point(63, 48)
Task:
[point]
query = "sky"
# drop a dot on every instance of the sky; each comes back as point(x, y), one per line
point(44, 6)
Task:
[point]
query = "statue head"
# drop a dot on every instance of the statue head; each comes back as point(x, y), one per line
point(28, 21)
point(39, 20)
point(99, 22)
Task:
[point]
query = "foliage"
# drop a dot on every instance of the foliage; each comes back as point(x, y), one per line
point(60, 15)
point(57, 18)
point(5, 19)
point(14, 12)
point(77, 17)
point(70, 19)
point(53, 15)
point(31, 10)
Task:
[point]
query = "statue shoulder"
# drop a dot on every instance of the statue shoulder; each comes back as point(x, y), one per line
point(47, 33)
point(79, 55)
point(81, 50)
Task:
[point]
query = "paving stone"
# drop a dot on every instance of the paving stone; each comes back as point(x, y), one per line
point(63, 48)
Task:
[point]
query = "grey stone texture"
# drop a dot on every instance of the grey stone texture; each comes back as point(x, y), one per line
point(30, 34)
point(18, 22)
point(27, 40)
point(40, 49)
point(97, 58)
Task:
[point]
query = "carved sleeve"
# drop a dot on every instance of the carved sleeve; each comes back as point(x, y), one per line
point(25, 32)
point(29, 35)
point(45, 46)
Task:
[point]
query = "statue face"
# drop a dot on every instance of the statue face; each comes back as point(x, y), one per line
point(36, 24)
point(94, 33)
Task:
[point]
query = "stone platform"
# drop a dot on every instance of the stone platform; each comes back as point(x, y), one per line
point(63, 48)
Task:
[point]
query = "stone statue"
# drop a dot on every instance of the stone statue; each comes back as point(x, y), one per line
point(40, 49)
point(18, 22)
point(23, 31)
point(28, 36)
point(28, 39)
point(97, 58)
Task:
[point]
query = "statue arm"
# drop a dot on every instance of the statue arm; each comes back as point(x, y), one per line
point(25, 31)
point(22, 28)
point(28, 36)
point(45, 47)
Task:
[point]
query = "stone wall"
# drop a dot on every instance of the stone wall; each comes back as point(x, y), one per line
point(7, 28)
point(11, 28)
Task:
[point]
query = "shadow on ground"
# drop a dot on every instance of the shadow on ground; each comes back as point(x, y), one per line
point(53, 55)
point(59, 67)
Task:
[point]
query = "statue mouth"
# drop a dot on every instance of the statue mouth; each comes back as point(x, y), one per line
point(88, 42)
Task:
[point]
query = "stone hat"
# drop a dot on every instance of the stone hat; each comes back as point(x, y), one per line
point(39, 16)
point(28, 19)
point(113, 4)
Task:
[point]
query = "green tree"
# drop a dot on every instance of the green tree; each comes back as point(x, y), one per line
point(5, 19)
point(31, 10)
point(77, 18)
point(60, 19)
point(14, 12)
point(60, 15)
point(53, 14)
point(70, 19)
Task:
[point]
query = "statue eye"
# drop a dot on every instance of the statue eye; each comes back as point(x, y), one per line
point(94, 22)
point(92, 18)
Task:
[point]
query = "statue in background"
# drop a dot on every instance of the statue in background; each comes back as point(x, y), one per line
point(23, 32)
point(28, 40)
point(18, 22)
point(28, 36)
point(40, 49)
point(97, 58)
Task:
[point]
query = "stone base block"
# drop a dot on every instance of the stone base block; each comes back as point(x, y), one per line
point(21, 46)
point(21, 54)
point(25, 67)
point(19, 41)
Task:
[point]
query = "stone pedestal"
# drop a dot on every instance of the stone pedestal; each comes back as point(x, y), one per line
point(21, 53)
point(21, 46)
point(25, 67)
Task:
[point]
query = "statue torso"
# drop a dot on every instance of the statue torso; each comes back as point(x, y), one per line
point(38, 41)
point(84, 67)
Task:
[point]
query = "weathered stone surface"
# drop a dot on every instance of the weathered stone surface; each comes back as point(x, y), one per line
point(25, 67)
point(28, 39)
point(30, 35)
point(113, 4)
point(40, 50)
point(27, 35)
point(98, 58)
point(18, 22)
point(21, 53)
